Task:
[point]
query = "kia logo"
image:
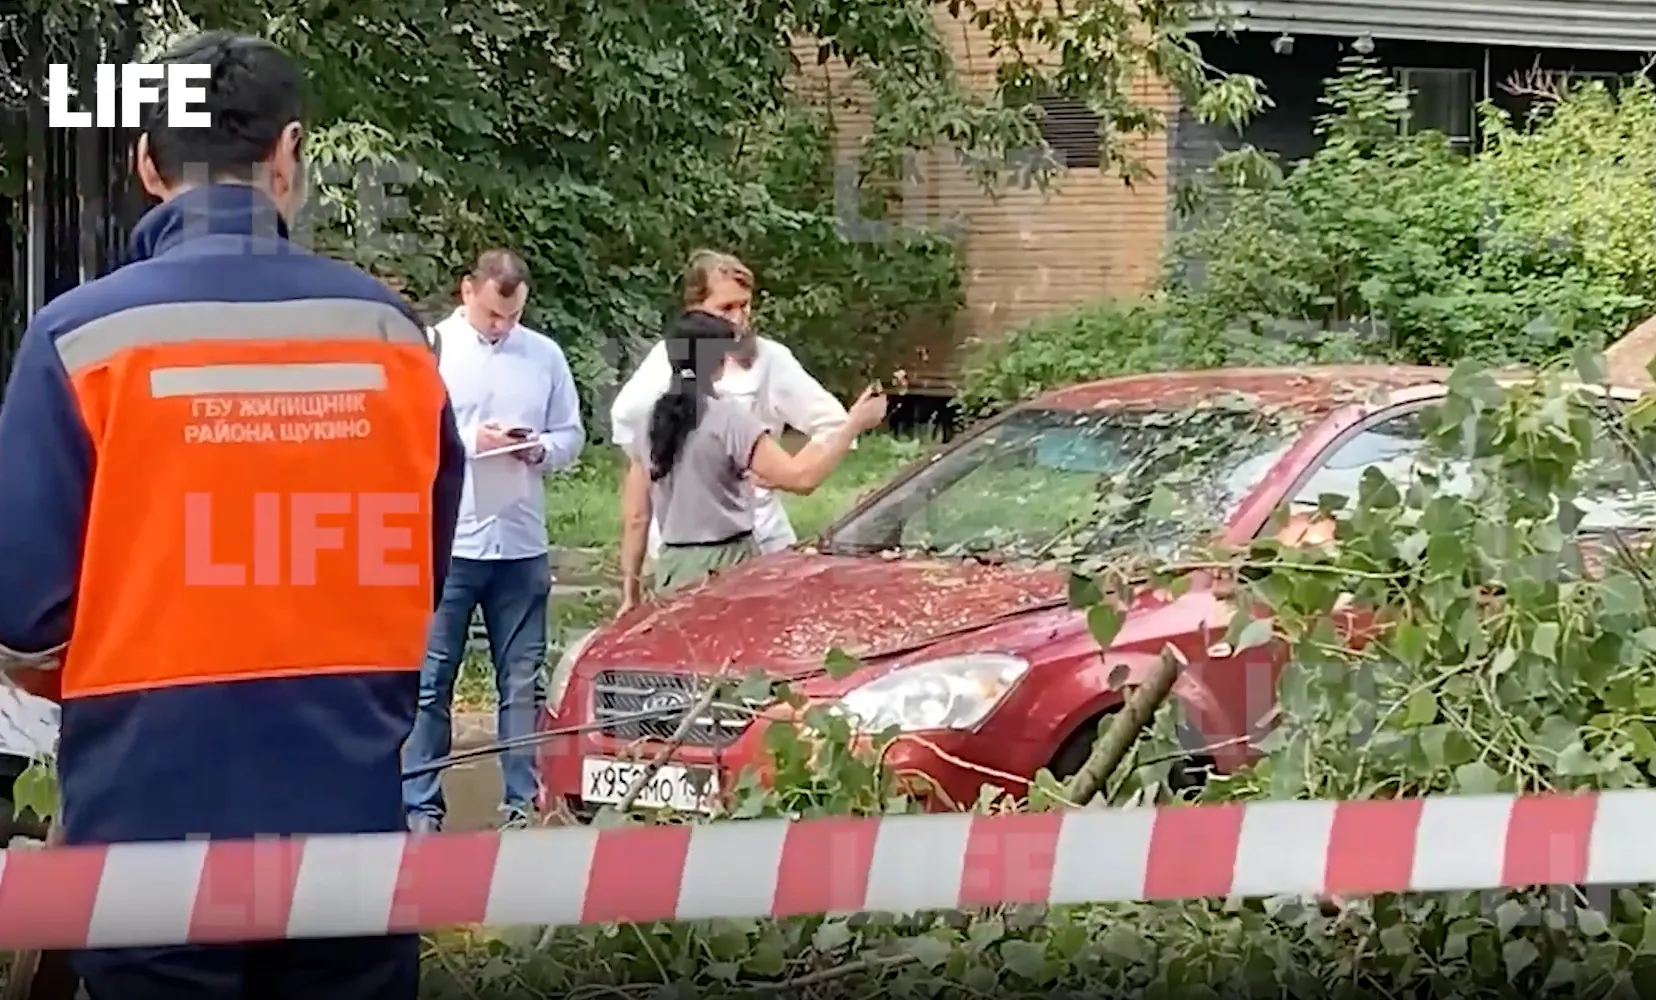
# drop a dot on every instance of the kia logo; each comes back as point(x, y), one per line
point(666, 701)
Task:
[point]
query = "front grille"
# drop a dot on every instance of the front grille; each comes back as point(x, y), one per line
point(621, 693)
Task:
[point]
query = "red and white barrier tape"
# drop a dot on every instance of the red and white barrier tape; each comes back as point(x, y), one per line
point(200, 891)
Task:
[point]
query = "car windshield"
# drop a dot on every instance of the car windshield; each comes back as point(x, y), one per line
point(1058, 483)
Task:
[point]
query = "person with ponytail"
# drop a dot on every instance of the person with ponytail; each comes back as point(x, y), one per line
point(691, 472)
point(764, 375)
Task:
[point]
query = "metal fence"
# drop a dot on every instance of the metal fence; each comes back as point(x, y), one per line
point(70, 204)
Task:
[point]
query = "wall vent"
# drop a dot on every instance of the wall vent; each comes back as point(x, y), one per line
point(1072, 130)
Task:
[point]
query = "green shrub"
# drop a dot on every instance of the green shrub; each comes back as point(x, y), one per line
point(1123, 337)
point(1538, 243)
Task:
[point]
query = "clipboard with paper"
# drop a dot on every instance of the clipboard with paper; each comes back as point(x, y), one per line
point(508, 448)
point(496, 481)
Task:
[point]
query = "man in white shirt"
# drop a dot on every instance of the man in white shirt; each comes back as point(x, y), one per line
point(520, 419)
point(766, 376)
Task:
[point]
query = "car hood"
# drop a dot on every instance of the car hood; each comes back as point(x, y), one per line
point(788, 610)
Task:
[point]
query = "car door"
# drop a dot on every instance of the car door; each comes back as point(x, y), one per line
point(1392, 440)
point(1617, 494)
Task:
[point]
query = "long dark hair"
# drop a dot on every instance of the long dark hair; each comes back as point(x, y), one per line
point(697, 343)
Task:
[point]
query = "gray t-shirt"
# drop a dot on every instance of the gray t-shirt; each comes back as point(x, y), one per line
point(707, 497)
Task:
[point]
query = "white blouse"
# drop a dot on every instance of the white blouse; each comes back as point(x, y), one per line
point(782, 393)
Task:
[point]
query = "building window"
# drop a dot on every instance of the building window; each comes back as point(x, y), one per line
point(1072, 131)
point(1442, 100)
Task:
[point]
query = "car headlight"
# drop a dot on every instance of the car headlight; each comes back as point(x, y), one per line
point(564, 672)
point(956, 692)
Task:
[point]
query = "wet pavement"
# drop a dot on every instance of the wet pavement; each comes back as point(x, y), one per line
point(473, 788)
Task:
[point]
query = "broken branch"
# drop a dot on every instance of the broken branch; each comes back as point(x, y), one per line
point(1109, 750)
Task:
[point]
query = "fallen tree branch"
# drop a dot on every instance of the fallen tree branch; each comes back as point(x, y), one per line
point(703, 705)
point(838, 972)
point(1111, 748)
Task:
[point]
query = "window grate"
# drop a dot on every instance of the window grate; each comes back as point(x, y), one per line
point(1072, 131)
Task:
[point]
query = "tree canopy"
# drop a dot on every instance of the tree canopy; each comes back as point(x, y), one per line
point(605, 141)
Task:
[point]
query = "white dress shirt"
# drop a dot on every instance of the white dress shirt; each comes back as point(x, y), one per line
point(776, 387)
point(522, 380)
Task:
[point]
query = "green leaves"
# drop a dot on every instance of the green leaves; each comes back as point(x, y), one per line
point(1083, 591)
point(1103, 622)
point(831, 935)
point(1421, 709)
point(1544, 640)
point(607, 141)
point(1026, 960)
point(1256, 632)
point(839, 663)
point(1517, 956)
point(1477, 778)
point(1508, 645)
point(1647, 935)
point(930, 952)
point(36, 789)
point(1528, 247)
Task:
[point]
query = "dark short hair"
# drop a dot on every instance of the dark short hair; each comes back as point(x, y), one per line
point(503, 267)
point(252, 95)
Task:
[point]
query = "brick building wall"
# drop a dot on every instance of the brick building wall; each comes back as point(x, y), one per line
point(1027, 252)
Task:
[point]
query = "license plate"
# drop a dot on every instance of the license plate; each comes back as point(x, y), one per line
point(685, 789)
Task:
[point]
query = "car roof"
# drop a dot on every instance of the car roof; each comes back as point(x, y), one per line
point(1311, 390)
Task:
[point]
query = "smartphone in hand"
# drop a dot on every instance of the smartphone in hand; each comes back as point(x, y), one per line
point(519, 433)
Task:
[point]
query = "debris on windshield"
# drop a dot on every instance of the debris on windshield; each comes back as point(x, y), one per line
point(1046, 484)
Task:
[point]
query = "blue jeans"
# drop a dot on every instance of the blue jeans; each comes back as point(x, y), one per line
point(513, 595)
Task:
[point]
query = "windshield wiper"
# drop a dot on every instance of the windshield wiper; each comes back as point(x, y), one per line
point(829, 547)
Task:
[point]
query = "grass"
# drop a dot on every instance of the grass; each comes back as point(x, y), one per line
point(583, 516)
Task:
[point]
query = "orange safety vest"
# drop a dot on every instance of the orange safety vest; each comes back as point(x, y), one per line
point(224, 433)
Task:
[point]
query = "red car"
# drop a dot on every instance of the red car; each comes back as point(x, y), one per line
point(948, 585)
